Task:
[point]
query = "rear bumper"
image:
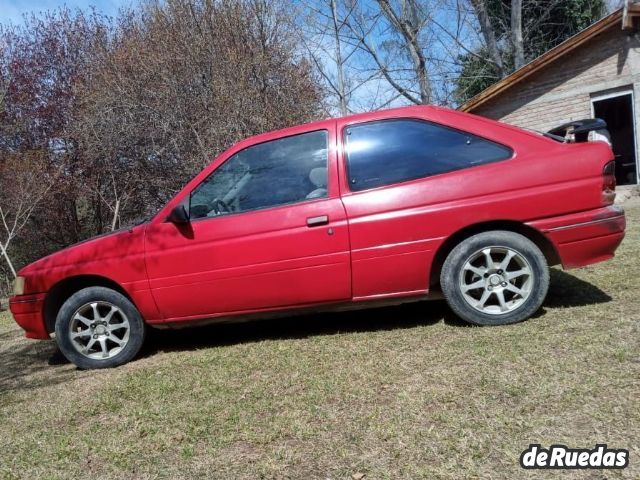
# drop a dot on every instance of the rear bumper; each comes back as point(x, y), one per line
point(28, 311)
point(586, 237)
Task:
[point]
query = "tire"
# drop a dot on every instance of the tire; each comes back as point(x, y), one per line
point(84, 336)
point(510, 291)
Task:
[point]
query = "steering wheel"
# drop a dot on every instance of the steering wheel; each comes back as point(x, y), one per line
point(220, 206)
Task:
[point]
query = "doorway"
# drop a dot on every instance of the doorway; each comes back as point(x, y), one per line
point(617, 110)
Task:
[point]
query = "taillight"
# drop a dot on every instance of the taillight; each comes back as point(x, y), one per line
point(609, 183)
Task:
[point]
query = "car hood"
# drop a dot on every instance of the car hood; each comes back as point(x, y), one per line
point(101, 247)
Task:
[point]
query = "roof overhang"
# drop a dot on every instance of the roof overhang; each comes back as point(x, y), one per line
point(543, 60)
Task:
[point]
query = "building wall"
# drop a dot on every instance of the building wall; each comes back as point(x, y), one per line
point(562, 91)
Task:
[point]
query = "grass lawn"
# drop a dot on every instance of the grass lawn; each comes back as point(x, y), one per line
point(403, 392)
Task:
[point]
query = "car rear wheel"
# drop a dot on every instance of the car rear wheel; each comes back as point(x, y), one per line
point(99, 328)
point(495, 278)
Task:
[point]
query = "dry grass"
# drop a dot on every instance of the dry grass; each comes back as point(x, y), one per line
point(405, 392)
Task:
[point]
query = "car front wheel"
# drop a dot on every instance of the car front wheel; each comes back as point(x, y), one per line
point(99, 328)
point(495, 278)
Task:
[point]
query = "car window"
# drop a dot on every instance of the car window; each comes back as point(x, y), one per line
point(279, 172)
point(393, 151)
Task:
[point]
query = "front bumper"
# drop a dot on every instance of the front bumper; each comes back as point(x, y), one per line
point(28, 312)
point(586, 237)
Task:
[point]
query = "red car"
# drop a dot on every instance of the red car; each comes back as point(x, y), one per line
point(380, 207)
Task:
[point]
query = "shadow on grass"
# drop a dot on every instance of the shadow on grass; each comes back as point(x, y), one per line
point(409, 315)
point(565, 291)
point(569, 291)
point(28, 365)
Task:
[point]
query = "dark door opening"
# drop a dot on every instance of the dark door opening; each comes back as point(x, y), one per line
point(618, 113)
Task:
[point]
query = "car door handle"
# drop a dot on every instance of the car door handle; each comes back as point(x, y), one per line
point(317, 221)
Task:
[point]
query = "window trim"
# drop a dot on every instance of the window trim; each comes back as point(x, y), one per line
point(280, 205)
point(345, 154)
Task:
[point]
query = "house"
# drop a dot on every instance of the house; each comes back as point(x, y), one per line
point(595, 73)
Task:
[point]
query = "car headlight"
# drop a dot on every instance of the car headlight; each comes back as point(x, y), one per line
point(18, 286)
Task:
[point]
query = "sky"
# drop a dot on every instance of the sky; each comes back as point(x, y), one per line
point(12, 10)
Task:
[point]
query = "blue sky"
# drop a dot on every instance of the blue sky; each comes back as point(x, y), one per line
point(12, 10)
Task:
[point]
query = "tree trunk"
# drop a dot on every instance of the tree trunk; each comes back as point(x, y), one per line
point(420, 67)
point(3, 250)
point(417, 53)
point(116, 214)
point(408, 28)
point(516, 33)
point(342, 93)
point(489, 35)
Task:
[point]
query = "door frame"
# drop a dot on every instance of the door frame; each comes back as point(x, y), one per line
point(620, 93)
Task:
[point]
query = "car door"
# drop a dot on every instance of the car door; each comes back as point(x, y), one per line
point(267, 230)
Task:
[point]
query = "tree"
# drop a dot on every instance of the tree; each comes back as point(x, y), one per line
point(121, 113)
point(408, 21)
point(393, 34)
point(321, 34)
point(25, 184)
point(179, 82)
point(41, 63)
point(489, 36)
point(513, 33)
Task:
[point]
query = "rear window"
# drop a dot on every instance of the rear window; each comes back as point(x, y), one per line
point(394, 151)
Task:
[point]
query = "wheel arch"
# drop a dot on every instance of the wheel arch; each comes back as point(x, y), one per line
point(61, 291)
point(536, 236)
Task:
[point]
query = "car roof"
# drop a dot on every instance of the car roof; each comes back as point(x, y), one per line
point(355, 118)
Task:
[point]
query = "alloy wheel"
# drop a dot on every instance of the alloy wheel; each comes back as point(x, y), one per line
point(99, 330)
point(496, 280)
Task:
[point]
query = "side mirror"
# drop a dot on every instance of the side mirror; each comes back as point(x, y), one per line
point(178, 215)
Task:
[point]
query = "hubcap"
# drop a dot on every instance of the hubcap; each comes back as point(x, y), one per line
point(99, 330)
point(496, 280)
